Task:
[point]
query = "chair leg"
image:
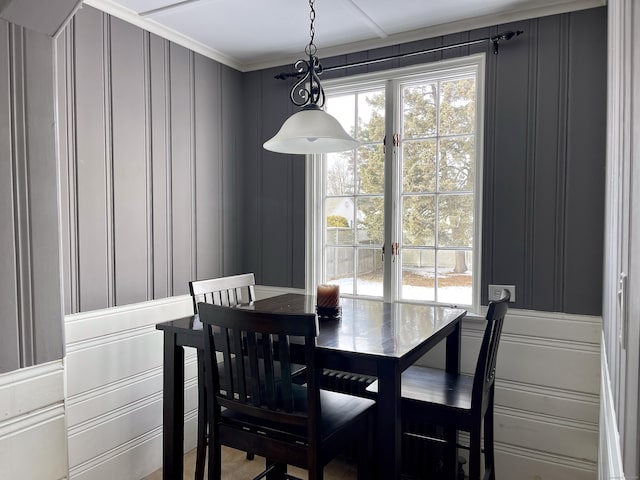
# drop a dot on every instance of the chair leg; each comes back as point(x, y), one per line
point(450, 463)
point(316, 471)
point(201, 448)
point(365, 449)
point(489, 464)
point(474, 452)
point(215, 460)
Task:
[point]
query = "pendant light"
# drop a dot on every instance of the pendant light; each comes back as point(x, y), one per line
point(311, 130)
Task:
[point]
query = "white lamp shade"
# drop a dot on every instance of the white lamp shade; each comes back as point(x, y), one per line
point(311, 130)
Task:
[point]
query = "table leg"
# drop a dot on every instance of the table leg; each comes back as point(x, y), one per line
point(389, 441)
point(454, 340)
point(452, 365)
point(279, 471)
point(172, 409)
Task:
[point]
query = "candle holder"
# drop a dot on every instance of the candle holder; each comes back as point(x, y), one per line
point(328, 302)
point(329, 313)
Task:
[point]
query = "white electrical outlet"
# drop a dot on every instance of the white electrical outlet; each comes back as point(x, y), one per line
point(495, 292)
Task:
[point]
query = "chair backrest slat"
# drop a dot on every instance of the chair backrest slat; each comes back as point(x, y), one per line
point(225, 348)
point(226, 291)
point(484, 377)
point(260, 363)
point(239, 373)
point(254, 366)
point(269, 373)
point(285, 369)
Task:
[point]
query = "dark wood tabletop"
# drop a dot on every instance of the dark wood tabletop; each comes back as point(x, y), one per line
point(371, 337)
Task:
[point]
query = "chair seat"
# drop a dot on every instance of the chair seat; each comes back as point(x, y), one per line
point(435, 386)
point(338, 411)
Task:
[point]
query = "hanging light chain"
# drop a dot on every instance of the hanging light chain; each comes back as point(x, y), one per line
point(311, 49)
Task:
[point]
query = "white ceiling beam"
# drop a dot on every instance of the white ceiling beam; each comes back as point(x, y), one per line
point(164, 8)
point(377, 29)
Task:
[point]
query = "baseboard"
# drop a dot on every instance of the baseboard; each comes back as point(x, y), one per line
point(32, 419)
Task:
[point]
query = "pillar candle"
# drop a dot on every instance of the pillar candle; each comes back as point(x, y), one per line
point(328, 296)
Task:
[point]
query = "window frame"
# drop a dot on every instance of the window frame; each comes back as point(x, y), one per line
point(315, 174)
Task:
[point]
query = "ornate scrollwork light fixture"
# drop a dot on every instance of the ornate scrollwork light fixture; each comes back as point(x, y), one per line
point(311, 130)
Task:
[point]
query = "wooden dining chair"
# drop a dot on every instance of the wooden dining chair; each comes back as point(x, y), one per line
point(227, 291)
point(434, 398)
point(263, 409)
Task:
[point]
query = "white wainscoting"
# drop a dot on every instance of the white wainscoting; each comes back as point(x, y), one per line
point(32, 420)
point(114, 389)
point(547, 393)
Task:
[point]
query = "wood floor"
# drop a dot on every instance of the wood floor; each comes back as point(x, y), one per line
point(235, 466)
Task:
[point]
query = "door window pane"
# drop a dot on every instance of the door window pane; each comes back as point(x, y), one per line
point(418, 220)
point(419, 166)
point(457, 106)
point(370, 274)
point(340, 178)
point(370, 166)
point(339, 268)
point(455, 220)
point(342, 108)
point(456, 172)
point(339, 221)
point(419, 111)
point(418, 274)
point(370, 115)
point(370, 214)
point(455, 281)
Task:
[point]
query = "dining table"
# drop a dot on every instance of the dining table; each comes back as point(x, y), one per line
point(369, 337)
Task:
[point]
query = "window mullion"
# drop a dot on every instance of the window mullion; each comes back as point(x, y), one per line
point(390, 207)
point(436, 257)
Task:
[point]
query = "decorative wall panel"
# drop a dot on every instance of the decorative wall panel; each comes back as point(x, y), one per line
point(30, 289)
point(149, 140)
point(544, 154)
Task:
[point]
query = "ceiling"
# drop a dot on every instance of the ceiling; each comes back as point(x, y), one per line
point(253, 34)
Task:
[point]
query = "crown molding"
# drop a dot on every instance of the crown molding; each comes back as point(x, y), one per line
point(150, 25)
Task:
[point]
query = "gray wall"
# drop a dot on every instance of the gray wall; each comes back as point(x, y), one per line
point(164, 179)
point(544, 163)
point(151, 151)
point(30, 288)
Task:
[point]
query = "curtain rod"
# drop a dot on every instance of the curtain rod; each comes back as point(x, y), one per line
point(495, 40)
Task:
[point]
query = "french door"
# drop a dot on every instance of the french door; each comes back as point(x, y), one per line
point(398, 217)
